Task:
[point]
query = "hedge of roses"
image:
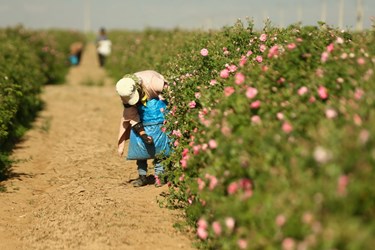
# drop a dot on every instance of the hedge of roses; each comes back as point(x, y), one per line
point(28, 60)
point(272, 133)
point(274, 140)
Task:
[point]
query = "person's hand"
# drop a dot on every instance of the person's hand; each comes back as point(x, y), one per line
point(120, 152)
point(147, 139)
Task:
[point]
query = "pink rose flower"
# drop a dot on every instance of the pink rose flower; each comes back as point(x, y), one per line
point(262, 48)
point(213, 82)
point(202, 233)
point(322, 92)
point(232, 188)
point(330, 47)
point(303, 90)
point(251, 92)
point(324, 57)
point(287, 127)
point(243, 61)
point(288, 244)
point(230, 223)
point(263, 37)
point(256, 119)
point(361, 61)
point(224, 73)
point(239, 78)
point(204, 52)
point(192, 104)
point(228, 91)
point(255, 105)
point(212, 144)
point(259, 59)
point(242, 244)
point(280, 116)
point(216, 227)
point(291, 46)
point(331, 113)
point(273, 52)
point(280, 220)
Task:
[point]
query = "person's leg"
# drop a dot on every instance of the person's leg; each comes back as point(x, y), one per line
point(159, 171)
point(142, 172)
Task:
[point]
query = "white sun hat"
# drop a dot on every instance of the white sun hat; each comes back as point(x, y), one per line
point(127, 89)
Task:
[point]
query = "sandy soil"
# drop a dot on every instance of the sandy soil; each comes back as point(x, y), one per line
point(69, 189)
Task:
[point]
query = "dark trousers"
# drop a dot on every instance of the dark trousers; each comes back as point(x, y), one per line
point(101, 60)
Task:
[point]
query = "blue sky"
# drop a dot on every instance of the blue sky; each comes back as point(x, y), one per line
point(168, 14)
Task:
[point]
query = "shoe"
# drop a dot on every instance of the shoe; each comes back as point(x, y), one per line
point(141, 181)
point(159, 182)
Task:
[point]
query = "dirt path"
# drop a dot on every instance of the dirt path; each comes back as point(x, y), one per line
point(69, 190)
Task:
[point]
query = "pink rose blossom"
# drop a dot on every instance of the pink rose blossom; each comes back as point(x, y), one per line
point(262, 48)
point(342, 183)
point(361, 61)
point(280, 220)
point(358, 94)
point(273, 52)
point(239, 78)
point(251, 92)
point(232, 68)
point(196, 149)
point(303, 90)
point(243, 61)
point(204, 52)
point(201, 184)
point(339, 40)
point(259, 59)
point(256, 119)
point(216, 227)
point(192, 104)
point(202, 233)
point(287, 127)
point(228, 91)
point(255, 105)
point(281, 80)
point(319, 72)
point(213, 82)
point(280, 116)
point(330, 47)
point(322, 92)
point(232, 188)
point(324, 57)
point(288, 244)
point(183, 163)
point(242, 244)
point(249, 53)
point(212, 144)
point(213, 183)
point(331, 113)
point(197, 95)
point(263, 37)
point(357, 120)
point(291, 46)
point(224, 73)
point(230, 223)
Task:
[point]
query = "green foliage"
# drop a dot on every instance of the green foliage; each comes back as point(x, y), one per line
point(273, 136)
point(28, 60)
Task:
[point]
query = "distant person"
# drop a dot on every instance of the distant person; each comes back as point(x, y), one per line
point(76, 49)
point(103, 45)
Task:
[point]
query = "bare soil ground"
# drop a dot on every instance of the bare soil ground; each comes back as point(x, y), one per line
point(69, 189)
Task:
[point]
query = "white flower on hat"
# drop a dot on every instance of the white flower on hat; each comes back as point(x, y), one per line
point(127, 89)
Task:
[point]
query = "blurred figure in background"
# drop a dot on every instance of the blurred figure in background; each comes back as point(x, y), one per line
point(76, 49)
point(103, 45)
